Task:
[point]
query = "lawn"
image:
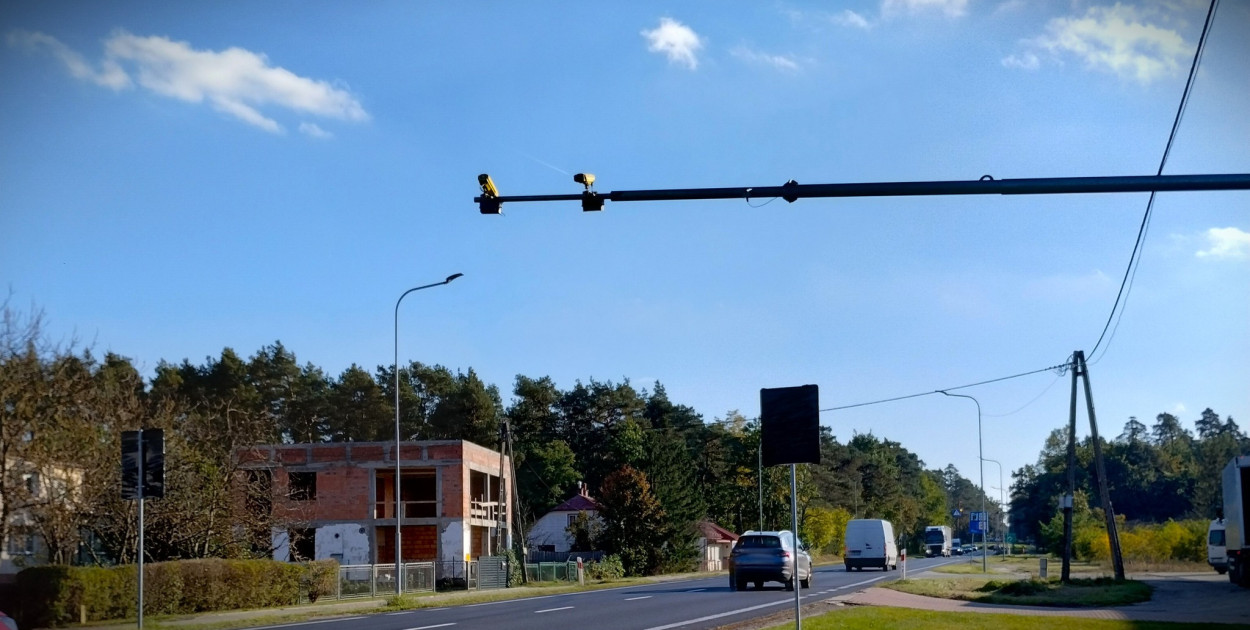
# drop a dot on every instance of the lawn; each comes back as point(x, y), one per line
point(1100, 591)
point(874, 618)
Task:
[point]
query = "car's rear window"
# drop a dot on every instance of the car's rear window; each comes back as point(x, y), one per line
point(760, 542)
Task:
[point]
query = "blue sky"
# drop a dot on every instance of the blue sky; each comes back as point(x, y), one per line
point(176, 178)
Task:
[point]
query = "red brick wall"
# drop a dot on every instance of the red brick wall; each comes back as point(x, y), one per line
point(293, 456)
point(329, 453)
point(455, 492)
point(420, 543)
point(343, 493)
point(368, 453)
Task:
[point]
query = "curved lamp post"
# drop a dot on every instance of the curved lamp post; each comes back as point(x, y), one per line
point(981, 465)
point(399, 506)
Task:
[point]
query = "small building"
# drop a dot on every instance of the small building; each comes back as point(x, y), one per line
point(715, 545)
point(550, 533)
point(338, 500)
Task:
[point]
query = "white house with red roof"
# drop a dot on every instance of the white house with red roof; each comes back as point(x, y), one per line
point(550, 533)
point(715, 545)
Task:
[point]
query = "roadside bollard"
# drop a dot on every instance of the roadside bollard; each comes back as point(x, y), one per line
point(903, 559)
point(581, 572)
point(1041, 568)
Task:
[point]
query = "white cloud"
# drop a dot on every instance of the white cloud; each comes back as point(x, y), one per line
point(952, 8)
point(780, 62)
point(313, 130)
point(109, 73)
point(234, 81)
point(1227, 242)
point(676, 40)
point(1119, 39)
point(1026, 60)
point(852, 19)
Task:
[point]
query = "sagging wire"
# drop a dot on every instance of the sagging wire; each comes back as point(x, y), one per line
point(1126, 284)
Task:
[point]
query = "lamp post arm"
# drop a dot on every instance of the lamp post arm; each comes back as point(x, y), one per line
point(399, 506)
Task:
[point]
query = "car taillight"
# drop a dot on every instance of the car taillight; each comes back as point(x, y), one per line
point(784, 554)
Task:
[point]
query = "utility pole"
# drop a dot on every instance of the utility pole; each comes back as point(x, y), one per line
point(1104, 490)
point(516, 499)
point(1081, 370)
point(1068, 498)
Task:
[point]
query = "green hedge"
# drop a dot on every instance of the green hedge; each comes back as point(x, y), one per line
point(53, 596)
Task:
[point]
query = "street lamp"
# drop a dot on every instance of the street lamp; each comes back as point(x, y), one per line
point(981, 465)
point(399, 506)
point(1000, 486)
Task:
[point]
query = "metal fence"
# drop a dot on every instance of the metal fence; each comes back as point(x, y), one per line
point(551, 572)
point(371, 580)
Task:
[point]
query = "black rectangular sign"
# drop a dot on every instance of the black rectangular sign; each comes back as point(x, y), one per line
point(790, 425)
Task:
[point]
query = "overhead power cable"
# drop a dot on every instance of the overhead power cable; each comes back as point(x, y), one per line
point(1061, 366)
point(1134, 259)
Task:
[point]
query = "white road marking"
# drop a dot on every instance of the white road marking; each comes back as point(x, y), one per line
point(696, 590)
point(630, 599)
point(724, 614)
point(553, 609)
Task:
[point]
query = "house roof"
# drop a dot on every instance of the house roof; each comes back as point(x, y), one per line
point(712, 531)
point(577, 503)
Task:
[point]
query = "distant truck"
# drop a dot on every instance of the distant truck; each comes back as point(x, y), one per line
point(1236, 481)
point(937, 541)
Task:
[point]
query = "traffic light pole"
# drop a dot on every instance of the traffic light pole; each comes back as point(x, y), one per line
point(791, 191)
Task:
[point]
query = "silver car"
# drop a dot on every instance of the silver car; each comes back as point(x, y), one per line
point(760, 557)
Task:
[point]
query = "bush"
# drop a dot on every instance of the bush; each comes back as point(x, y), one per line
point(606, 570)
point(321, 578)
point(52, 596)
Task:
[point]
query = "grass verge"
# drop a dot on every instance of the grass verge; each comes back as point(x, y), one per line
point(875, 618)
point(1081, 592)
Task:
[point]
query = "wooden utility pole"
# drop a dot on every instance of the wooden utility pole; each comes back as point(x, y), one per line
point(515, 504)
point(1079, 369)
point(1070, 496)
point(1104, 490)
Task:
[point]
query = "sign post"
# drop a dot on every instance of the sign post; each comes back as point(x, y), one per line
point(143, 476)
point(790, 434)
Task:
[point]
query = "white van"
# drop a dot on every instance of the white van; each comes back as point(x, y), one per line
point(870, 543)
point(1217, 555)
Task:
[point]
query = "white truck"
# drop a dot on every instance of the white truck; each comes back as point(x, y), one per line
point(937, 541)
point(1236, 480)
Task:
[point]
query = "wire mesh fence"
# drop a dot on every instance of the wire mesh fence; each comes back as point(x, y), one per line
point(551, 572)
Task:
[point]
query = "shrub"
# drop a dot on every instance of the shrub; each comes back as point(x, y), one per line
point(321, 578)
point(52, 596)
point(607, 569)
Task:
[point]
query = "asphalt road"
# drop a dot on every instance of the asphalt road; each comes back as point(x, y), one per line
point(688, 604)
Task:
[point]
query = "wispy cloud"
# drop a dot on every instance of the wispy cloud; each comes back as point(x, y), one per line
point(852, 19)
point(1025, 60)
point(781, 62)
point(1121, 39)
point(676, 41)
point(107, 74)
point(952, 8)
point(1228, 242)
point(310, 129)
point(234, 81)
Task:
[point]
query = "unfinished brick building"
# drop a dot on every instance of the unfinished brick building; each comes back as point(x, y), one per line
point(338, 500)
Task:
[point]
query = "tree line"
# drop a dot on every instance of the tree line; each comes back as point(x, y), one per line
point(63, 411)
point(1158, 473)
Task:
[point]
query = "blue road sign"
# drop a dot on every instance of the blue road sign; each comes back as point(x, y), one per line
point(977, 523)
point(956, 513)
